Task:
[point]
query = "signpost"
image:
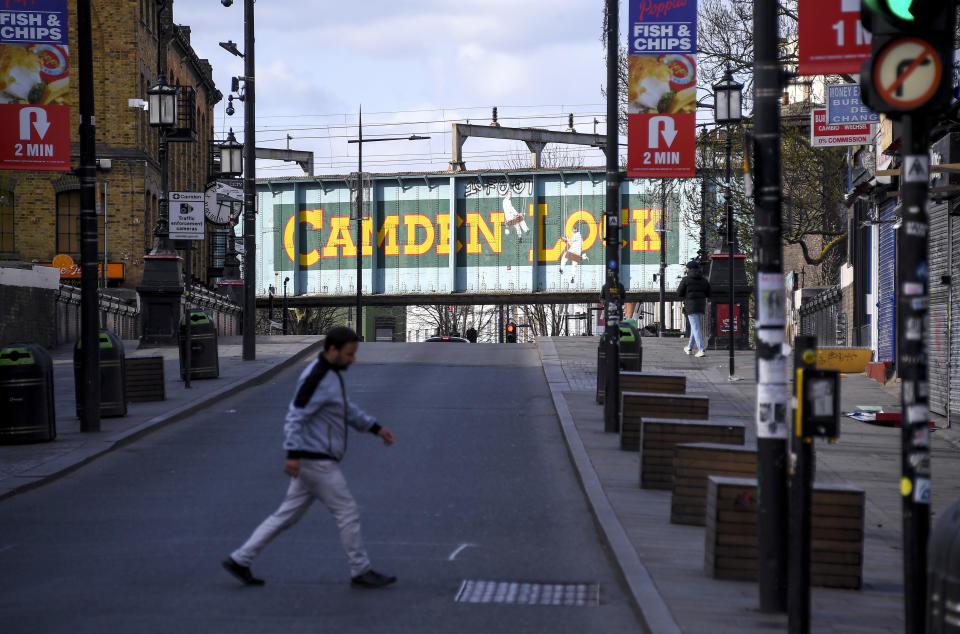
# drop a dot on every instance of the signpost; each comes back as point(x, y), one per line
point(832, 40)
point(186, 216)
point(845, 106)
point(661, 91)
point(186, 223)
point(823, 135)
point(34, 115)
point(662, 146)
point(907, 73)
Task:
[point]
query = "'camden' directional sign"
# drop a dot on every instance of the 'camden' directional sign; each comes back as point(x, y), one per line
point(186, 216)
point(845, 106)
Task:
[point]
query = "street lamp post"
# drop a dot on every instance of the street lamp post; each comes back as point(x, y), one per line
point(249, 183)
point(89, 388)
point(360, 141)
point(249, 179)
point(727, 100)
point(162, 286)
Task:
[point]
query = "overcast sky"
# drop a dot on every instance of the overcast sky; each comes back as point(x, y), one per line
point(421, 64)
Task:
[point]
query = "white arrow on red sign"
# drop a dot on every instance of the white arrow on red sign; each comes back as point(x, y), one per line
point(41, 124)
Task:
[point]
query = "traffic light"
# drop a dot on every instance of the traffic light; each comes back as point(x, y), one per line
point(907, 12)
point(511, 332)
point(912, 63)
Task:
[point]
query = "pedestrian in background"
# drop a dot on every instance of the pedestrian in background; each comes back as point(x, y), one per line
point(316, 440)
point(694, 289)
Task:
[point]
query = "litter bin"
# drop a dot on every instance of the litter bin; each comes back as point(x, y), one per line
point(26, 395)
point(943, 573)
point(113, 371)
point(204, 356)
point(631, 348)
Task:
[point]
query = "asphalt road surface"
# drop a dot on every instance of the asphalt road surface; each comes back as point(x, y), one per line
point(478, 487)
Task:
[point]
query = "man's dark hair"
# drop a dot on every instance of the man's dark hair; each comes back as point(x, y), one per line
point(339, 337)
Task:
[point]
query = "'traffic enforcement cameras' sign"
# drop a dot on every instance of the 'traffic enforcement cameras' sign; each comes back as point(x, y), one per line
point(186, 216)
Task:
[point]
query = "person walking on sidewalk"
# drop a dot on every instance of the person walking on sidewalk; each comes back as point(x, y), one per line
point(316, 440)
point(694, 289)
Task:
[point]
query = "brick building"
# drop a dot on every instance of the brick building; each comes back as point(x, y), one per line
point(40, 211)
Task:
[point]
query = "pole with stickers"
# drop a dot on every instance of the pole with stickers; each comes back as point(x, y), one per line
point(909, 77)
point(612, 293)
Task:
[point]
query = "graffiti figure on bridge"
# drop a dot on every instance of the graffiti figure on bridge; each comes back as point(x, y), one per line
point(573, 252)
point(513, 218)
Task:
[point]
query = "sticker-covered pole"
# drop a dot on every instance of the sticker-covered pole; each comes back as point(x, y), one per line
point(612, 296)
point(912, 270)
point(772, 389)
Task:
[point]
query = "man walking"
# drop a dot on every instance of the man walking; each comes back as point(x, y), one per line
point(694, 290)
point(316, 440)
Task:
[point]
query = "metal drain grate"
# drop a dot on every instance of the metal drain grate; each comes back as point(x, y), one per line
point(521, 593)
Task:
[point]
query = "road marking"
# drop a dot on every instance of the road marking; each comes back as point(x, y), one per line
point(525, 593)
point(459, 549)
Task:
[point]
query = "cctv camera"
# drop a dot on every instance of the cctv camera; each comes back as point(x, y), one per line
point(230, 109)
point(226, 3)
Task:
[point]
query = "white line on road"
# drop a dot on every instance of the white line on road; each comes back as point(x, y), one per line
point(459, 550)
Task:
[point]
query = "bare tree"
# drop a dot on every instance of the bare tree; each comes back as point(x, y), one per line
point(457, 320)
point(552, 156)
point(546, 320)
point(313, 321)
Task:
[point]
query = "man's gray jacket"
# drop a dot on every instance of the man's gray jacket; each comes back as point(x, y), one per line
point(319, 413)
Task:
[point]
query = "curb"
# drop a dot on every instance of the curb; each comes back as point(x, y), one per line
point(653, 609)
point(70, 462)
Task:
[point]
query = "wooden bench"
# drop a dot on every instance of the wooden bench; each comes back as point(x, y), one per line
point(836, 550)
point(654, 383)
point(637, 406)
point(659, 439)
point(692, 463)
point(647, 382)
point(144, 379)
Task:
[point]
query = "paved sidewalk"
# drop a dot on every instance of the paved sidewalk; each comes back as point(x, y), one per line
point(664, 563)
point(25, 466)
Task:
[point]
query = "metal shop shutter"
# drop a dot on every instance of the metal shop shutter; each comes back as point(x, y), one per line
point(886, 285)
point(938, 330)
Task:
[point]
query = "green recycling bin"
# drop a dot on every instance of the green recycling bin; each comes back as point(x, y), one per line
point(204, 355)
point(113, 372)
point(631, 348)
point(26, 395)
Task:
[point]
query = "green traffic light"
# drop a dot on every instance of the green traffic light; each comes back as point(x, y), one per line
point(901, 9)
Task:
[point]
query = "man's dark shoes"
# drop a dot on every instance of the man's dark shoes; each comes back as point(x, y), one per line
point(371, 579)
point(241, 572)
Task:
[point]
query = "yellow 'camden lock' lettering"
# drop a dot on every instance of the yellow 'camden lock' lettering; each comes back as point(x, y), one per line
point(484, 234)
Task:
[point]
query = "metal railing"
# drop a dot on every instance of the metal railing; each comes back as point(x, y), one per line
point(122, 317)
point(823, 317)
point(117, 315)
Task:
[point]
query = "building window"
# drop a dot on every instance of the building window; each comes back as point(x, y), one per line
point(68, 222)
point(6, 221)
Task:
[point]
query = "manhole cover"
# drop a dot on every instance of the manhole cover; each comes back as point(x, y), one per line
point(523, 593)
